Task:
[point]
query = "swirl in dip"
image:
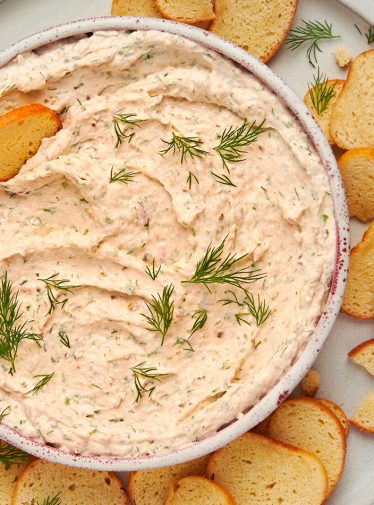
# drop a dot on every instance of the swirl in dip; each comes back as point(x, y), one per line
point(61, 216)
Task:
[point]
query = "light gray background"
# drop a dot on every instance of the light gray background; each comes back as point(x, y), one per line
point(340, 380)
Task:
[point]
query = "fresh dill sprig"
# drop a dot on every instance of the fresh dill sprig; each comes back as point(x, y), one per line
point(126, 120)
point(52, 282)
point(51, 500)
point(12, 332)
point(214, 268)
point(310, 31)
point(154, 272)
point(161, 311)
point(191, 177)
point(187, 342)
point(122, 176)
point(3, 413)
point(10, 455)
point(201, 317)
point(256, 308)
point(370, 34)
point(186, 146)
point(64, 339)
point(44, 379)
point(234, 299)
point(240, 318)
point(321, 92)
point(145, 374)
point(233, 140)
point(223, 179)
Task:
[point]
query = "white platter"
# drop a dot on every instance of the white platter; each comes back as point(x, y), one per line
point(341, 381)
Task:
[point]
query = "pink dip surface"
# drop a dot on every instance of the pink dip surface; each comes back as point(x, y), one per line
point(60, 215)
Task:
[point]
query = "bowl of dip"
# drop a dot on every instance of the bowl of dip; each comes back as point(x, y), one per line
point(183, 283)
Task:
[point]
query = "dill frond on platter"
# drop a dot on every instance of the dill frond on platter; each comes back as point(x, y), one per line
point(311, 32)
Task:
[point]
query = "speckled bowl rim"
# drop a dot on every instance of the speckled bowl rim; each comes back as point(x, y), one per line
point(331, 310)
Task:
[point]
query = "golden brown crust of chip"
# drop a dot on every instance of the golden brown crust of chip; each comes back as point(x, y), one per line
point(352, 124)
point(186, 11)
point(189, 489)
point(324, 119)
point(21, 133)
point(363, 418)
point(32, 109)
point(338, 411)
point(357, 350)
point(41, 479)
point(257, 469)
point(308, 424)
point(8, 480)
point(363, 355)
point(248, 24)
point(360, 426)
point(151, 486)
point(262, 427)
point(357, 169)
point(311, 382)
point(358, 298)
point(135, 8)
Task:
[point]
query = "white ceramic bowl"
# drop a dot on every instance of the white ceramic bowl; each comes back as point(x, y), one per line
point(279, 392)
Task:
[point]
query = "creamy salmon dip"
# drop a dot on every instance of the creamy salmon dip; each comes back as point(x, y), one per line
point(65, 217)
